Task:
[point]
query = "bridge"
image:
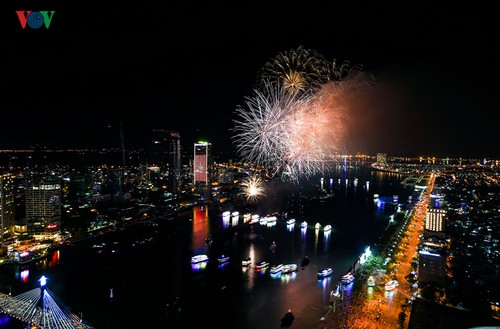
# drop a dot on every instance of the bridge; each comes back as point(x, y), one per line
point(38, 310)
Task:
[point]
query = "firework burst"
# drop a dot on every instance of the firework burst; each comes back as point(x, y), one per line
point(294, 124)
point(253, 188)
point(297, 70)
point(262, 128)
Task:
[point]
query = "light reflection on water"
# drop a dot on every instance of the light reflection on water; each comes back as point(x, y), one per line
point(252, 298)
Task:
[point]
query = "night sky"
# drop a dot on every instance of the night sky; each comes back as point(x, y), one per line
point(186, 66)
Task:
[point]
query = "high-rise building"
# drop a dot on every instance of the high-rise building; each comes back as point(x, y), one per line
point(432, 266)
point(7, 205)
point(43, 205)
point(382, 159)
point(201, 165)
point(434, 219)
point(165, 152)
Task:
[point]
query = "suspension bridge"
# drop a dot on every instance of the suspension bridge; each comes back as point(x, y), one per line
point(38, 310)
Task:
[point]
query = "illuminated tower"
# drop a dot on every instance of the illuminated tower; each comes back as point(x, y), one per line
point(165, 151)
point(7, 205)
point(201, 165)
point(43, 205)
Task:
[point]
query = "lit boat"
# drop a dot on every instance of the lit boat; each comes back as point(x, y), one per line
point(223, 259)
point(391, 285)
point(289, 268)
point(348, 278)
point(261, 265)
point(199, 259)
point(323, 273)
point(317, 226)
point(375, 196)
point(290, 221)
point(275, 269)
point(303, 224)
point(246, 262)
point(327, 228)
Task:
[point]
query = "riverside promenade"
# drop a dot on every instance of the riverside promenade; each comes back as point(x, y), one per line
point(371, 307)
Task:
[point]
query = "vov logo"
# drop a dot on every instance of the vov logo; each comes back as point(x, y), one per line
point(35, 19)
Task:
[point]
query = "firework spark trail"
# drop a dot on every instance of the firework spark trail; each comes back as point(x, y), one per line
point(297, 70)
point(253, 188)
point(264, 126)
point(294, 128)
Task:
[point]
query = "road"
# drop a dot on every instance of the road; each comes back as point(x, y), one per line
point(373, 307)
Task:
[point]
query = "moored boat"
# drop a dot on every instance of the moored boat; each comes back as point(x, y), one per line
point(347, 278)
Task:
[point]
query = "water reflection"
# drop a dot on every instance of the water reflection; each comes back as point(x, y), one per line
point(201, 229)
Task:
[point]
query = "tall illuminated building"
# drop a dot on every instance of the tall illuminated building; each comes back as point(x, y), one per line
point(7, 205)
point(435, 220)
point(43, 205)
point(382, 159)
point(165, 151)
point(201, 168)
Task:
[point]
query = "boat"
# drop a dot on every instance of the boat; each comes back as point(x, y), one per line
point(199, 258)
point(287, 319)
point(275, 269)
point(324, 272)
point(261, 265)
point(327, 228)
point(303, 224)
point(348, 278)
point(326, 196)
point(291, 221)
point(246, 262)
point(317, 226)
point(273, 246)
point(223, 259)
point(289, 268)
point(305, 261)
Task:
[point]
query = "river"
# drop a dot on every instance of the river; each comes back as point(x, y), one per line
point(141, 277)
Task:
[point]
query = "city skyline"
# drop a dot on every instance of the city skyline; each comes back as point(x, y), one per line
point(187, 67)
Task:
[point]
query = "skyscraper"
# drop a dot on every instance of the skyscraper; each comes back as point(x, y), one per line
point(201, 165)
point(43, 205)
point(165, 152)
point(7, 205)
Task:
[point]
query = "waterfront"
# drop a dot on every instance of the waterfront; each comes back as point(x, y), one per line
point(126, 278)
